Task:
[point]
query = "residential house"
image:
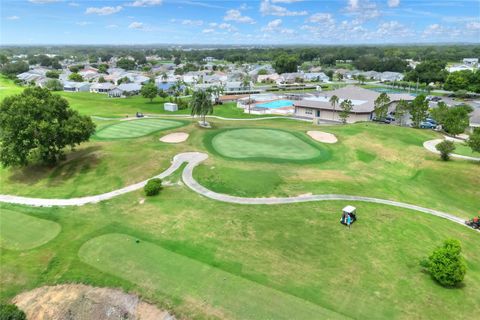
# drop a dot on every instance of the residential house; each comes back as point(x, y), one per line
point(130, 88)
point(316, 76)
point(459, 67)
point(289, 78)
point(71, 86)
point(471, 62)
point(115, 93)
point(102, 87)
point(391, 76)
point(319, 108)
point(273, 77)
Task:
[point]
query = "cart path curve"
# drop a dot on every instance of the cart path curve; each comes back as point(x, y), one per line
point(193, 159)
point(430, 146)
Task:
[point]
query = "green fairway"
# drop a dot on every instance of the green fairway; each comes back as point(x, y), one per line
point(20, 231)
point(136, 128)
point(465, 150)
point(263, 144)
point(226, 295)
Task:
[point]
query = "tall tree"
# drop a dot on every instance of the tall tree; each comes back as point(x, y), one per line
point(334, 102)
point(149, 91)
point(400, 111)
point(346, 107)
point(246, 85)
point(418, 110)
point(201, 104)
point(457, 119)
point(381, 105)
point(474, 140)
point(286, 63)
point(38, 125)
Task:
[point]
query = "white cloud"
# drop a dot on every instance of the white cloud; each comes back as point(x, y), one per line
point(474, 25)
point(111, 26)
point(353, 5)
point(43, 1)
point(136, 25)
point(268, 9)
point(13, 18)
point(393, 3)
point(145, 3)
point(103, 11)
point(189, 22)
point(236, 15)
point(272, 25)
point(83, 23)
point(73, 4)
point(321, 18)
point(208, 30)
point(227, 26)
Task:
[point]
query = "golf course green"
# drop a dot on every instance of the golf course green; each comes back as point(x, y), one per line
point(263, 144)
point(20, 231)
point(136, 128)
point(149, 265)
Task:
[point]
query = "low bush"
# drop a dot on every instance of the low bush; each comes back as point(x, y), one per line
point(11, 312)
point(153, 187)
point(445, 148)
point(446, 264)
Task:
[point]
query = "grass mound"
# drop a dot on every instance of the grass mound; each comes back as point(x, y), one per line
point(262, 144)
point(20, 231)
point(136, 128)
point(226, 295)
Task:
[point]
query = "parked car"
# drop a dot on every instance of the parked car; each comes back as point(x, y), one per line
point(381, 120)
point(427, 125)
point(390, 118)
point(432, 121)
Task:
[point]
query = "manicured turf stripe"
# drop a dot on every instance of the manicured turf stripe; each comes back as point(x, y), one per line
point(153, 267)
point(19, 231)
point(263, 143)
point(136, 128)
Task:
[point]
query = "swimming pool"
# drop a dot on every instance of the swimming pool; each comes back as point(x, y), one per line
point(276, 104)
point(388, 90)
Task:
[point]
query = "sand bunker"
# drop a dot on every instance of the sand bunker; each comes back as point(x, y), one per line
point(175, 137)
point(81, 302)
point(324, 137)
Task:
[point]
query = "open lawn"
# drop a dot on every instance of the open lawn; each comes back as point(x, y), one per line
point(20, 231)
point(227, 295)
point(205, 259)
point(263, 144)
point(136, 128)
point(465, 150)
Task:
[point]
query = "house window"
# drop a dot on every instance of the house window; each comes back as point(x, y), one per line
point(308, 111)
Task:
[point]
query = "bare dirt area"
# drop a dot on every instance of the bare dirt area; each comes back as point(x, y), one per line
point(175, 137)
point(321, 136)
point(81, 302)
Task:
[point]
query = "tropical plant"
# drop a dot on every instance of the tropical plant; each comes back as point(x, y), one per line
point(418, 110)
point(400, 111)
point(474, 140)
point(334, 102)
point(246, 85)
point(346, 106)
point(201, 104)
point(149, 91)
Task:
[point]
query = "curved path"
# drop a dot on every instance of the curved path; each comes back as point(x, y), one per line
point(193, 159)
point(213, 117)
point(430, 146)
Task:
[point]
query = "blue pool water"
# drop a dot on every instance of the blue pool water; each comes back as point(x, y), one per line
point(276, 104)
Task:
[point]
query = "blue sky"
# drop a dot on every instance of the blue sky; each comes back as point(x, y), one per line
point(238, 22)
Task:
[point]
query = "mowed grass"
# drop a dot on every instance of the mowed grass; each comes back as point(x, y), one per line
point(262, 144)
point(136, 128)
point(464, 150)
point(227, 295)
point(20, 231)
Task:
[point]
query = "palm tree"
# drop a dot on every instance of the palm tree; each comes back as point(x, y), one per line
point(346, 107)
point(246, 84)
point(164, 77)
point(334, 101)
point(201, 104)
point(361, 78)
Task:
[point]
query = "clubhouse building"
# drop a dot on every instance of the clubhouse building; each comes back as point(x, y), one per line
point(319, 109)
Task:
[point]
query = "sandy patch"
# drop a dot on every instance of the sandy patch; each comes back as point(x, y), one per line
point(321, 136)
point(175, 137)
point(81, 302)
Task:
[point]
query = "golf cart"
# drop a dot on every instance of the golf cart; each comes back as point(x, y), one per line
point(139, 115)
point(348, 211)
point(474, 223)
